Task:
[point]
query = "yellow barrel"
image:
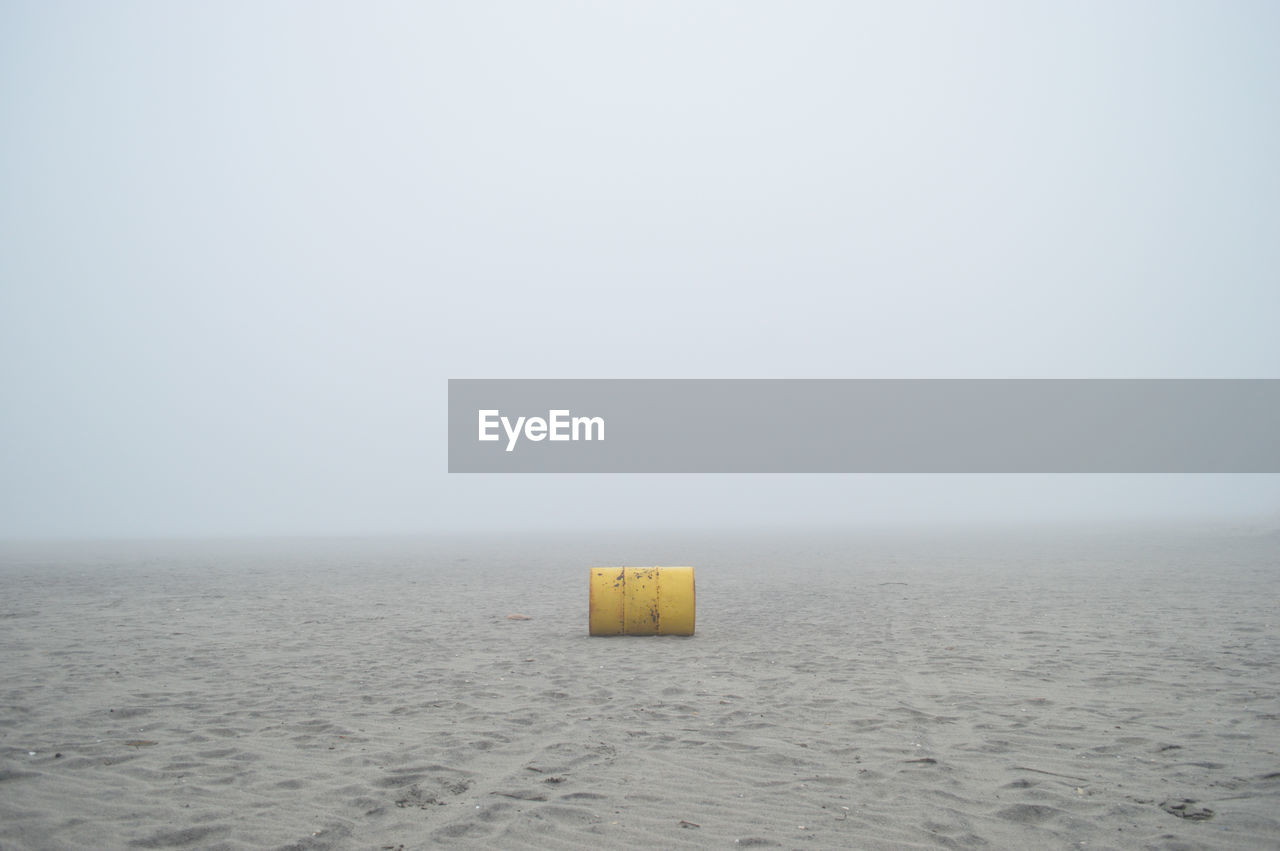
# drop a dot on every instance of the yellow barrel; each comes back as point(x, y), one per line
point(642, 601)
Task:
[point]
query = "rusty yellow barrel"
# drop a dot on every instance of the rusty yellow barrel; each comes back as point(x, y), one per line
point(642, 601)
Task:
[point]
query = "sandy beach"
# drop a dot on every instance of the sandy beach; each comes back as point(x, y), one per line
point(1087, 689)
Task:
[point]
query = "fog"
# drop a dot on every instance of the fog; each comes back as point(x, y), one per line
point(243, 246)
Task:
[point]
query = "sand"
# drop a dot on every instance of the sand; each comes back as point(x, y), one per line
point(1091, 689)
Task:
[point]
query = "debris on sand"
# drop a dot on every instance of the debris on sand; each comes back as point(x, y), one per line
point(1184, 809)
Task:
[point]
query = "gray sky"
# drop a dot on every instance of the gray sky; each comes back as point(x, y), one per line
point(243, 245)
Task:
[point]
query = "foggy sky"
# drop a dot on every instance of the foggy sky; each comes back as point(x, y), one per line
point(243, 245)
